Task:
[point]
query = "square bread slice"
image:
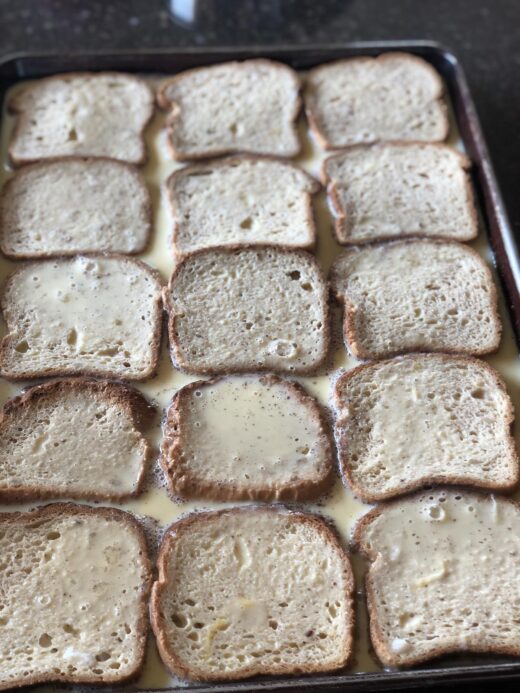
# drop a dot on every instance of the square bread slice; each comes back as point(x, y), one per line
point(418, 295)
point(246, 437)
point(394, 97)
point(248, 106)
point(248, 309)
point(74, 206)
point(74, 582)
point(241, 200)
point(442, 576)
point(390, 191)
point(421, 420)
point(98, 316)
point(74, 438)
point(81, 114)
point(252, 591)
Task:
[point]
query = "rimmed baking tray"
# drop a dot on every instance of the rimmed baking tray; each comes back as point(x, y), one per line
point(505, 256)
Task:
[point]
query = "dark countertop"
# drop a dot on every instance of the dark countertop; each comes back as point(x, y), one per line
point(484, 35)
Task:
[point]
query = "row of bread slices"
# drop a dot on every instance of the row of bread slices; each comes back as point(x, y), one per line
point(252, 590)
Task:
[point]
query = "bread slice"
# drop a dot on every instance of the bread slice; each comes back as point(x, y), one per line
point(252, 591)
point(241, 200)
point(442, 575)
point(248, 106)
point(75, 582)
point(400, 190)
point(418, 295)
point(81, 114)
point(248, 309)
point(394, 97)
point(246, 437)
point(74, 206)
point(74, 438)
point(424, 419)
point(83, 316)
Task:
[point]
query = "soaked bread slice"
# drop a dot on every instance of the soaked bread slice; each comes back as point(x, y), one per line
point(82, 316)
point(248, 309)
point(74, 438)
point(246, 437)
point(424, 419)
point(74, 206)
point(442, 575)
point(416, 296)
point(81, 114)
point(241, 200)
point(274, 595)
point(248, 106)
point(400, 190)
point(74, 582)
point(394, 97)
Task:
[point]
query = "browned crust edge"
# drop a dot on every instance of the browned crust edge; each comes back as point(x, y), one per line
point(426, 480)
point(175, 111)
point(191, 487)
point(176, 665)
point(42, 164)
point(316, 125)
point(23, 116)
point(340, 214)
point(155, 343)
point(314, 186)
point(378, 642)
point(175, 351)
point(130, 400)
point(349, 309)
point(56, 511)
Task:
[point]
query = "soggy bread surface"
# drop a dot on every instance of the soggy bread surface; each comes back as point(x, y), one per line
point(252, 591)
point(74, 585)
point(442, 576)
point(246, 437)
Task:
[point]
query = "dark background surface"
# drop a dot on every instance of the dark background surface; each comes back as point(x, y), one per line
point(484, 35)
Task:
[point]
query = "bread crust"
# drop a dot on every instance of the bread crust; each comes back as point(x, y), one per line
point(376, 635)
point(64, 372)
point(181, 668)
point(176, 112)
point(57, 511)
point(340, 214)
point(342, 445)
point(351, 336)
point(23, 116)
point(44, 163)
point(309, 99)
point(175, 352)
point(314, 188)
point(125, 397)
point(185, 485)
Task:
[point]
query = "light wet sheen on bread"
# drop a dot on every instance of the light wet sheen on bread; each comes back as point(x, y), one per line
point(252, 591)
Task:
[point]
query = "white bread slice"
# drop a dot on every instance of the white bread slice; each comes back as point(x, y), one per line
point(424, 419)
point(97, 315)
point(248, 309)
point(443, 575)
point(75, 582)
point(241, 200)
point(81, 114)
point(252, 591)
point(246, 437)
point(248, 106)
point(74, 438)
point(74, 206)
point(394, 97)
point(418, 295)
point(390, 191)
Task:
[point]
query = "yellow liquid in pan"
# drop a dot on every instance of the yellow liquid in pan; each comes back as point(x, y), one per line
point(340, 505)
